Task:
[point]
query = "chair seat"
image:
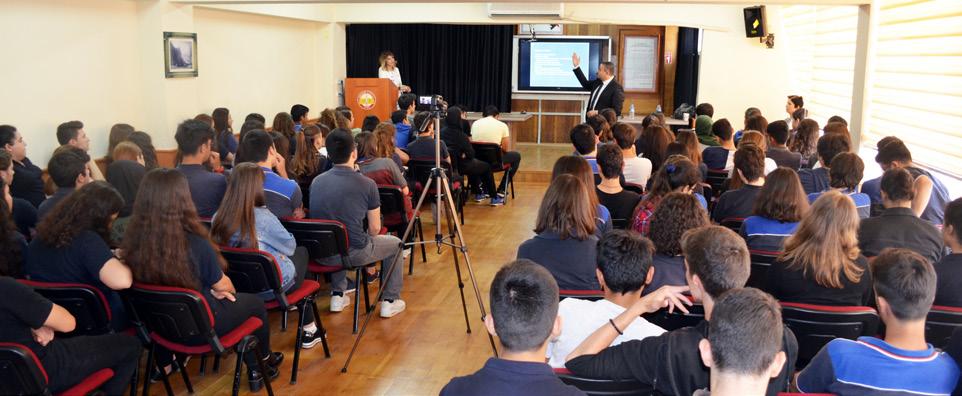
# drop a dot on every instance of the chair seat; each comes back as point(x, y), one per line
point(227, 340)
point(91, 383)
point(324, 269)
point(307, 288)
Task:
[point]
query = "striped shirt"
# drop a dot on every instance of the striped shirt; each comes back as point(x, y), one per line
point(862, 202)
point(762, 233)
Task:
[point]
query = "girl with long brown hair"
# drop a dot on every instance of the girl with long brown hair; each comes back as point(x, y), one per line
point(822, 263)
point(655, 140)
point(166, 245)
point(693, 151)
point(804, 142)
point(578, 167)
point(118, 134)
point(678, 174)
point(677, 213)
point(284, 124)
point(384, 132)
point(566, 239)
point(13, 245)
point(779, 206)
point(308, 161)
point(224, 141)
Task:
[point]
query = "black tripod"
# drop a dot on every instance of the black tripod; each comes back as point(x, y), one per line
point(455, 238)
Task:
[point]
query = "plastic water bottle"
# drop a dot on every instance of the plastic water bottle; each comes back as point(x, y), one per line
point(631, 111)
point(658, 109)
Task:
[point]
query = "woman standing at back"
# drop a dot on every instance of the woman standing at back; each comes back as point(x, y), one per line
point(166, 245)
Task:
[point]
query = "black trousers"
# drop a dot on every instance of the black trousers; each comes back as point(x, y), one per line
point(69, 360)
point(512, 158)
point(479, 174)
point(300, 259)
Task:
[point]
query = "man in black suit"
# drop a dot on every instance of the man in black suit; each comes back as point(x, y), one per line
point(605, 91)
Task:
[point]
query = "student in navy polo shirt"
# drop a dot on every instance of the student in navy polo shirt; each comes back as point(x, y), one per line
point(721, 156)
point(27, 182)
point(283, 195)
point(902, 363)
point(347, 196)
point(845, 176)
point(828, 146)
point(898, 226)
point(750, 170)
point(195, 143)
point(779, 207)
point(69, 169)
point(949, 268)
point(585, 141)
point(524, 316)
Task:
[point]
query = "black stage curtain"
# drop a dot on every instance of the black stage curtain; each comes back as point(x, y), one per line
point(467, 64)
point(686, 74)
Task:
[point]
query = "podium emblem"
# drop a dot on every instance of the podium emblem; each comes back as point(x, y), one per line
point(366, 99)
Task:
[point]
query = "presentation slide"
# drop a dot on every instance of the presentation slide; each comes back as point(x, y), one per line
point(551, 63)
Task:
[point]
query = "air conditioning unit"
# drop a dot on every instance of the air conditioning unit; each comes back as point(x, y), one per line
point(538, 10)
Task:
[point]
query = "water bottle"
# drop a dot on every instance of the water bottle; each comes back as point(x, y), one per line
point(631, 111)
point(658, 109)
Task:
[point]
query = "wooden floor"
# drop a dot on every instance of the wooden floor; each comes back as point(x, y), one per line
point(418, 351)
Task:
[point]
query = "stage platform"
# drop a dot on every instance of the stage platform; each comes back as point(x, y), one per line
point(538, 159)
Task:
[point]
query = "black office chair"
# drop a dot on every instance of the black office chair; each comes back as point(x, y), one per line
point(604, 387)
point(590, 295)
point(86, 303)
point(761, 262)
point(396, 215)
point(940, 323)
point(491, 153)
point(677, 319)
point(718, 180)
point(732, 223)
point(21, 373)
point(419, 170)
point(817, 325)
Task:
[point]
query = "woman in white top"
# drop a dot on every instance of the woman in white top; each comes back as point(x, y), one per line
point(390, 70)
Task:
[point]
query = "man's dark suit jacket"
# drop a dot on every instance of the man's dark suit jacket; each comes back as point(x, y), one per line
point(612, 97)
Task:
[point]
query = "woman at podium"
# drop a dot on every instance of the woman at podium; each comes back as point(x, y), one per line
point(390, 70)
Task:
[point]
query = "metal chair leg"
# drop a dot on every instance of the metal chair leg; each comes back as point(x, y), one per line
point(183, 374)
point(298, 339)
point(147, 368)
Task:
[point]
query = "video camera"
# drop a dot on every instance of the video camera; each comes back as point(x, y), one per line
point(432, 103)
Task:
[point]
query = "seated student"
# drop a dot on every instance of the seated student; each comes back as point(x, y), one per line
point(816, 179)
point(524, 317)
point(490, 129)
point(401, 122)
point(757, 123)
point(779, 206)
point(722, 155)
point(949, 269)
point(898, 226)
point(225, 144)
point(902, 363)
point(758, 139)
point(653, 144)
point(349, 116)
point(749, 113)
point(299, 116)
point(13, 245)
point(624, 269)
point(676, 214)
point(716, 261)
point(69, 169)
point(125, 176)
point(873, 187)
point(384, 132)
point(29, 319)
point(146, 146)
point(244, 221)
point(478, 172)
point(347, 196)
point(744, 344)
point(804, 142)
point(579, 168)
point(822, 263)
point(282, 195)
point(423, 147)
point(73, 245)
point(369, 122)
point(601, 127)
point(566, 238)
point(637, 169)
point(195, 143)
point(71, 133)
point(778, 135)
point(706, 138)
point(24, 215)
point(620, 202)
point(845, 176)
point(27, 181)
point(308, 161)
point(284, 126)
point(931, 195)
point(383, 170)
point(750, 170)
point(678, 175)
point(585, 143)
point(610, 115)
point(166, 245)
point(689, 149)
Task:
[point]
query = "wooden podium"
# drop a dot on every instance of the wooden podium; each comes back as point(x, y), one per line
point(370, 96)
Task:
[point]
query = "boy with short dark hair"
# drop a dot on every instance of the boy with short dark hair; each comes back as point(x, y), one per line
point(740, 202)
point(949, 268)
point(778, 135)
point(585, 141)
point(902, 363)
point(282, 195)
point(299, 115)
point(898, 226)
point(716, 261)
point(744, 344)
point(524, 315)
point(620, 202)
point(69, 168)
point(423, 147)
point(71, 133)
point(194, 141)
point(931, 195)
point(828, 146)
point(721, 156)
point(402, 128)
point(845, 175)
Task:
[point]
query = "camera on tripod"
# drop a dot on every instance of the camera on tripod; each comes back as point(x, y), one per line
point(432, 103)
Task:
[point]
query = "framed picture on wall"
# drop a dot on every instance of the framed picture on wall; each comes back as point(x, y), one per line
point(640, 55)
point(180, 54)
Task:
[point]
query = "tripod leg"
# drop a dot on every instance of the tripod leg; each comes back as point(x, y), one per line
point(457, 268)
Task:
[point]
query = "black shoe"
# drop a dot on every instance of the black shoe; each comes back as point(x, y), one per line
point(156, 376)
point(255, 380)
point(274, 359)
point(310, 340)
point(371, 278)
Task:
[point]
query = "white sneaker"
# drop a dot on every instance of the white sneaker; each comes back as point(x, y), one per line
point(407, 252)
point(338, 303)
point(389, 309)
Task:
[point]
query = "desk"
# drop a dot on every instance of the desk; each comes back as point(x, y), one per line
point(514, 121)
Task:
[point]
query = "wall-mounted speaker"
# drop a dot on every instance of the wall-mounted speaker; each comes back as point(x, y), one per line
point(755, 21)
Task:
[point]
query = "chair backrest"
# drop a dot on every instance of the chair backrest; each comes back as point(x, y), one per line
point(761, 262)
point(636, 188)
point(175, 314)
point(490, 153)
point(940, 324)
point(620, 224)
point(591, 295)
point(732, 223)
point(606, 387)
point(86, 303)
point(254, 271)
point(718, 180)
point(206, 221)
point(816, 325)
point(322, 238)
point(392, 200)
point(419, 170)
point(20, 371)
point(677, 319)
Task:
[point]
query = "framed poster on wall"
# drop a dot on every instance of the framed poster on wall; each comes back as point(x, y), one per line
point(639, 61)
point(180, 54)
